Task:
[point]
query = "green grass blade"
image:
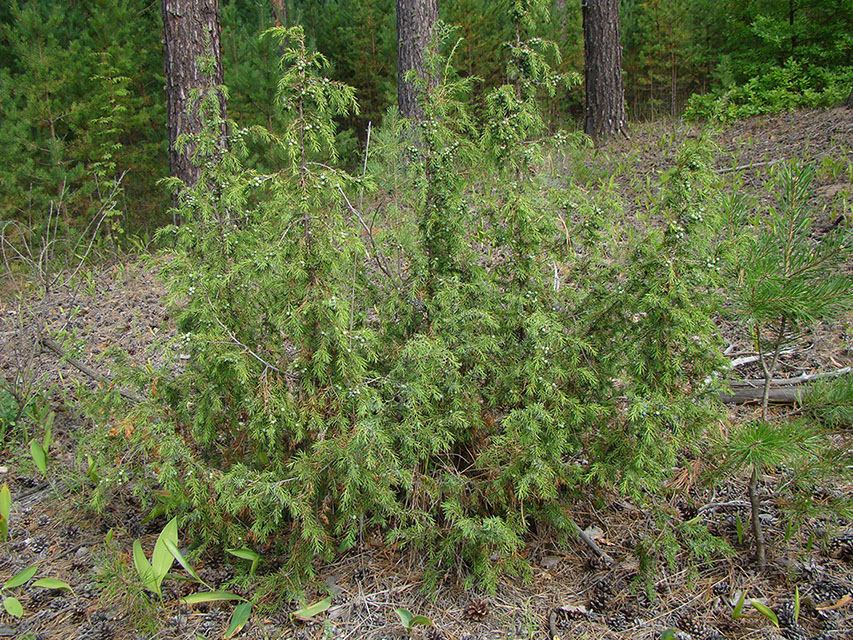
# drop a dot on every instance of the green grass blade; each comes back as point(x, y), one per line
point(767, 612)
point(173, 549)
point(239, 618)
point(210, 596)
point(306, 613)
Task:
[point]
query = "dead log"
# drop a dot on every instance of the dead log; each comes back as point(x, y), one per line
point(782, 390)
point(744, 394)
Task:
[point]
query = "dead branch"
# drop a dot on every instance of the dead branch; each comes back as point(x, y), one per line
point(54, 346)
point(782, 390)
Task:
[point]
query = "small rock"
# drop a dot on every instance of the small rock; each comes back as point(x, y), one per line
point(593, 532)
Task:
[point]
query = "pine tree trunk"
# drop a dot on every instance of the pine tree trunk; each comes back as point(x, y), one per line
point(192, 32)
point(415, 19)
point(850, 100)
point(605, 97)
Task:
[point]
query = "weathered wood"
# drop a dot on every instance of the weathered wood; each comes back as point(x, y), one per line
point(744, 394)
point(782, 390)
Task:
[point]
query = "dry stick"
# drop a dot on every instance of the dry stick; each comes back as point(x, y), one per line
point(378, 255)
point(803, 378)
point(245, 347)
point(739, 362)
point(750, 165)
point(89, 371)
point(591, 544)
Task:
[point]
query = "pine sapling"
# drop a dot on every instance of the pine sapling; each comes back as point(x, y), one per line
point(784, 281)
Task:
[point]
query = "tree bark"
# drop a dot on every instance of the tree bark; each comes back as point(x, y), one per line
point(850, 100)
point(415, 20)
point(192, 33)
point(605, 96)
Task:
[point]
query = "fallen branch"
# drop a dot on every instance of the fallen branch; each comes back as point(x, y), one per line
point(589, 542)
point(739, 362)
point(782, 390)
point(750, 165)
point(54, 346)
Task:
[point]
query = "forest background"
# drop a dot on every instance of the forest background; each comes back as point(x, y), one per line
point(83, 99)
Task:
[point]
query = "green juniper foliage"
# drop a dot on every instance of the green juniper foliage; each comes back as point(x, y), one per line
point(449, 379)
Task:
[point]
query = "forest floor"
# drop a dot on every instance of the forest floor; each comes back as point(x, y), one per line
point(568, 591)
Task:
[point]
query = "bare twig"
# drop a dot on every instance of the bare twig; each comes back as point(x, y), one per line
point(750, 165)
point(54, 346)
point(744, 360)
point(246, 348)
point(380, 258)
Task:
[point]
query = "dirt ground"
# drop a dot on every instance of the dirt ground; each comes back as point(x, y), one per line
point(569, 591)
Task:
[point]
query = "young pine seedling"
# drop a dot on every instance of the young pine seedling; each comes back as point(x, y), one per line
point(784, 280)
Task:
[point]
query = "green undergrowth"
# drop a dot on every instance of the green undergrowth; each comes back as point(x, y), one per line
point(780, 89)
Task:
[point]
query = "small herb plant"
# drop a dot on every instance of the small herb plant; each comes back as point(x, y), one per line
point(165, 553)
point(409, 620)
point(11, 604)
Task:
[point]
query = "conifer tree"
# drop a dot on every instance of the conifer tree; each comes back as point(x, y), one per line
point(193, 60)
point(415, 20)
point(605, 97)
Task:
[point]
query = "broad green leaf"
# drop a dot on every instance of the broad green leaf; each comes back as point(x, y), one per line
point(143, 568)
point(13, 606)
point(109, 537)
point(247, 554)
point(5, 510)
point(239, 618)
point(767, 612)
point(406, 616)
point(52, 583)
point(39, 456)
point(21, 577)
point(669, 634)
point(162, 558)
point(173, 549)
point(5, 502)
point(306, 613)
point(421, 620)
point(48, 436)
point(210, 596)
